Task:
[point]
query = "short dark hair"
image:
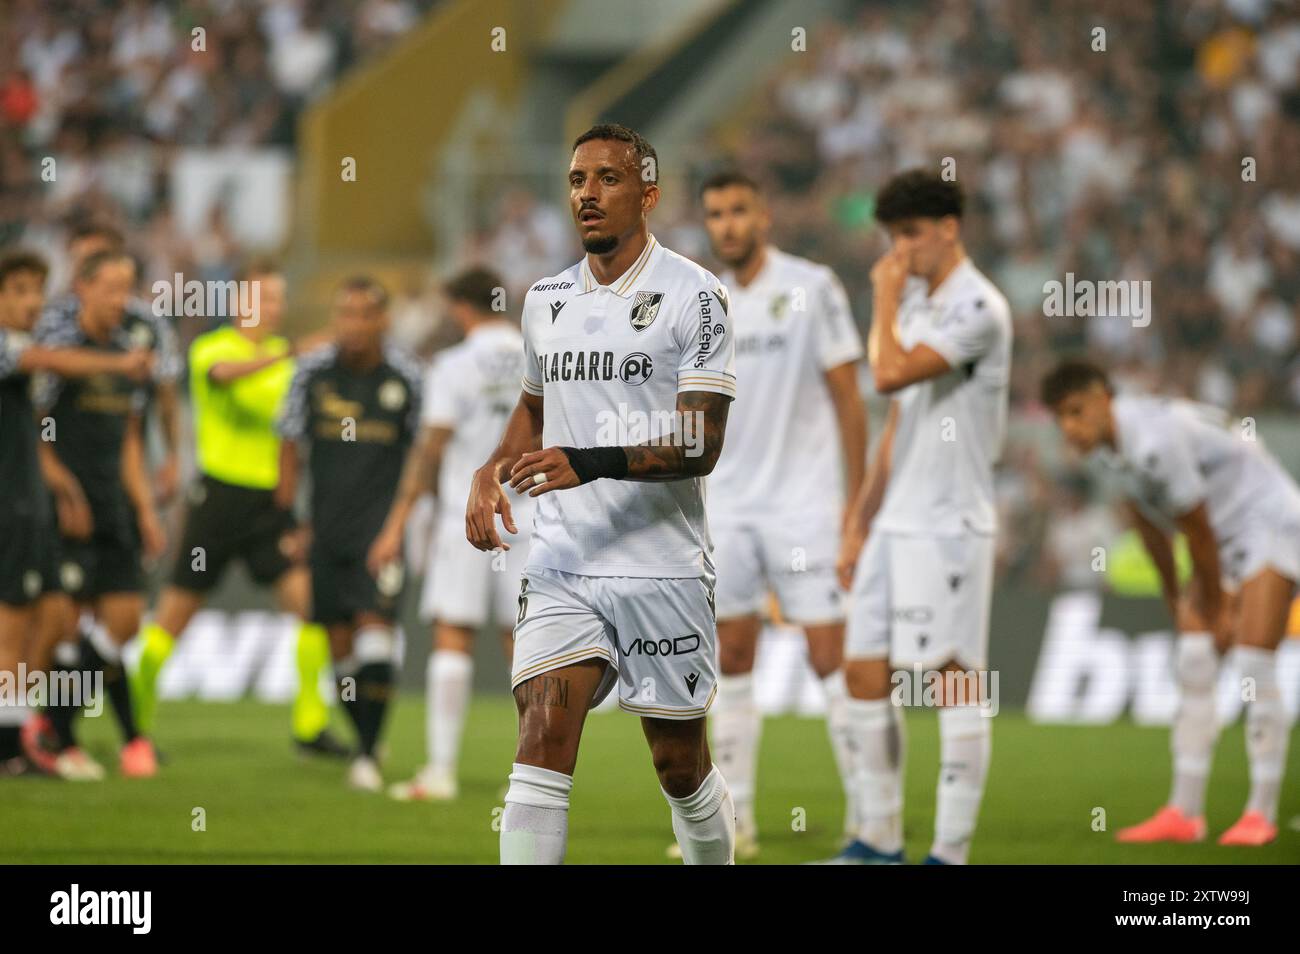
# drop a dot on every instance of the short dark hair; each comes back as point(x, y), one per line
point(370, 286)
point(259, 265)
point(725, 178)
point(93, 229)
point(918, 194)
point(640, 146)
point(1070, 377)
point(20, 260)
point(93, 263)
point(476, 286)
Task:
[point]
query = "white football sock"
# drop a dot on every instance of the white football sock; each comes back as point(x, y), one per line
point(877, 728)
point(837, 725)
point(965, 745)
point(1266, 730)
point(1195, 725)
point(705, 822)
point(99, 637)
point(736, 727)
point(535, 823)
point(449, 681)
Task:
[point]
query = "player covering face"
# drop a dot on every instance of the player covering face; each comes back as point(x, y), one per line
point(618, 585)
point(940, 346)
point(1188, 468)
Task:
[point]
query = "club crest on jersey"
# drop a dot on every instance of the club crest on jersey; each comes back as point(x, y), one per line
point(645, 308)
point(141, 336)
point(391, 395)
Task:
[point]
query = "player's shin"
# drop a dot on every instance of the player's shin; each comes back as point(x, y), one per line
point(535, 823)
point(62, 709)
point(310, 714)
point(965, 746)
point(450, 680)
point(1266, 729)
point(100, 653)
point(837, 725)
point(157, 646)
point(735, 728)
point(877, 728)
point(373, 651)
point(705, 822)
point(1195, 726)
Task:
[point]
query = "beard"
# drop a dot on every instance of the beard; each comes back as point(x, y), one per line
point(741, 258)
point(600, 244)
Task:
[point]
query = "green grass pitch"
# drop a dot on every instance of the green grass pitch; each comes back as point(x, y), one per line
point(261, 803)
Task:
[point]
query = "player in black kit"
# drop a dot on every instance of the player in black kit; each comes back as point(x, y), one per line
point(356, 402)
point(29, 578)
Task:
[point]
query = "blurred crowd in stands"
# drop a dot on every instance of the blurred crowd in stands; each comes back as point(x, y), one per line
point(1118, 141)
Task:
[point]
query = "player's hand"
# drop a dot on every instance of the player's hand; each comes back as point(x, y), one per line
point(296, 544)
point(167, 479)
point(386, 549)
point(890, 272)
point(552, 463)
point(486, 500)
point(850, 547)
point(137, 364)
point(152, 537)
point(74, 515)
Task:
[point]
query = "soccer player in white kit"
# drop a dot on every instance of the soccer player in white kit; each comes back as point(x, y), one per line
point(796, 442)
point(470, 391)
point(627, 384)
point(1189, 468)
point(940, 342)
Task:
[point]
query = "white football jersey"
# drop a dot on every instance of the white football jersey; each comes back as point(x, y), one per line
point(782, 454)
point(609, 362)
point(472, 388)
point(1173, 454)
point(950, 428)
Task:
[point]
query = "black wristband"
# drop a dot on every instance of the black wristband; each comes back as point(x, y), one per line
point(592, 463)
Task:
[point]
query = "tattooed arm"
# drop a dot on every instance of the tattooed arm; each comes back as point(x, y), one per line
point(690, 451)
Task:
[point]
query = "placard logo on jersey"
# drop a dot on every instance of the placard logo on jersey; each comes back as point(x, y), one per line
point(645, 308)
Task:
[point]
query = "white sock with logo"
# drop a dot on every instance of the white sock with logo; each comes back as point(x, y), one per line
point(449, 681)
point(1266, 730)
point(535, 823)
point(965, 745)
point(736, 727)
point(877, 727)
point(837, 725)
point(1195, 725)
point(705, 822)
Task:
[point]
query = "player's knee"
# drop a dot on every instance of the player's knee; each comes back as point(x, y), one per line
point(680, 768)
point(735, 658)
point(867, 678)
point(825, 658)
point(1196, 663)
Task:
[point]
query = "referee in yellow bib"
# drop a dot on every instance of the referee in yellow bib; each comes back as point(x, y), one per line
point(239, 376)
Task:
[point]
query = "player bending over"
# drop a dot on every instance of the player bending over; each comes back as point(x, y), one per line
point(239, 375)
point(631, 346)
point(1187, 467)
point(468, 397)
point(940, 343)
point(30, 600)
point(796, 442)
point(356, 402)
